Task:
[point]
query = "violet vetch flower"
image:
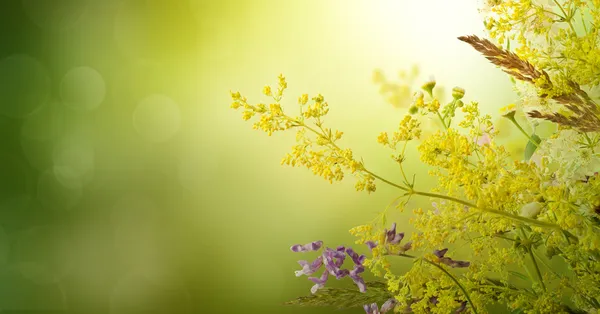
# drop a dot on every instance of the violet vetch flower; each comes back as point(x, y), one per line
point(354, 274)
point(448, 261)
point(358, 259)
point(386, 307)
point(434, 300)
point(333, 261)
point(319, 282)
point(371, 244)
point(313, 246)
point(407, 246)
point(309, 268)
point(392, 237)
point(462, 308)
point(371, 308)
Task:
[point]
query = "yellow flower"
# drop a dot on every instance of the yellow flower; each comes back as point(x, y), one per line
point(383, 138)
point(508, 111)
point(302, 100)
point(267, 90)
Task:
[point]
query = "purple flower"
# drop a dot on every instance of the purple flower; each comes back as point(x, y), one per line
point(386, 307)
point(434, 300)
point(309, 268)
point(392, 237)
point(462, 308)
point(371, 308)
point(407, 246)
point(358, 260)
point(448, 261)
point(319, 282)
point(389, 305)
point(313, 246)
point(333, 261)
point(371, 244)
point(354, 274)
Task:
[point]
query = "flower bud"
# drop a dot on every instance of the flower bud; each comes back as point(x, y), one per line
point(428, 86)
point(413, 110)
point(459, 103)
point(458, 93)
point(509, 111)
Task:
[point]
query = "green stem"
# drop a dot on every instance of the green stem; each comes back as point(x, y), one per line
point(441, 119)
point(491, 211)
point(537, 268)
point(458, 284)
point(514, 121)
point(567, 18)
point(388, 182)
point(535, 265)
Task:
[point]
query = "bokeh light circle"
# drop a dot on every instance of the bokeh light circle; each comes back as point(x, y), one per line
point(83, 88)
point(73, 160)
point(55, 195)
point(24, 86)
point(157, 118)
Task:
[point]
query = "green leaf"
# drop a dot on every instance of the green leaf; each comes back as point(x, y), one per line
point(531, 147)
point(345, 298)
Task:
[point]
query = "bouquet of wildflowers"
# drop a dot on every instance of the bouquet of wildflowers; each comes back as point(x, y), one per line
point(519, 217)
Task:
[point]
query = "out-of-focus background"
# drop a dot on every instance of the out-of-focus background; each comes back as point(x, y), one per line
point(127, 183)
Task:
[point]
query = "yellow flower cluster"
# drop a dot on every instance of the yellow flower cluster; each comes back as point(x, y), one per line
point(316, 147)
point(407, 130)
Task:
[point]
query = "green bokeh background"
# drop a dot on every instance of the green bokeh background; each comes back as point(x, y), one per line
point(128, 184)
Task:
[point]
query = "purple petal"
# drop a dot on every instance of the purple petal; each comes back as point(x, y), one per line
point(357, 270)
point(313, 246)
point(440, 253)
point(388, 305)
point(371, 244)
point(462, 307)
point(354, 274)
point(309, 269)
point(397, 238)
point(390, 234)
point(319, 282)
point(358, 260)
point(406, 247)
point(362, 287)
point(371, 308)
point(459, 264)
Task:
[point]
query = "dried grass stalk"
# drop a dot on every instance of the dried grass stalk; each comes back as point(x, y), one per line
point(584, 111)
